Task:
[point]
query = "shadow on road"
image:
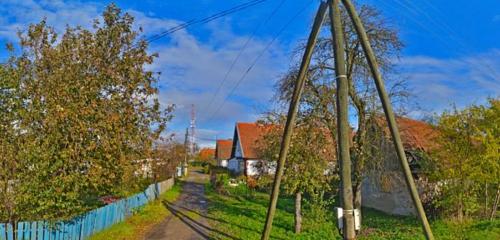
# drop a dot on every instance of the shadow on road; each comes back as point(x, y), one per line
point(202, 229)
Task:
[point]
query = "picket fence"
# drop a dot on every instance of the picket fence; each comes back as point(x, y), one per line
point(82, 227)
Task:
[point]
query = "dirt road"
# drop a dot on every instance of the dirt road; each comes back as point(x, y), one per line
point(187, 221)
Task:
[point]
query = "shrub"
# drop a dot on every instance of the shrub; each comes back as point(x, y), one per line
point(265, 183)
point(219, 181)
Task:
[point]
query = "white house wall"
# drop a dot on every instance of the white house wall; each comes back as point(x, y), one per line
point(387, 193)
point(252, 167)
point(223, 163)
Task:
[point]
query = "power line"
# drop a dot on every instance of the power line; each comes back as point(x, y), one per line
point(191, 22)
point(206, 139)
point(415, 11)
point(453, 34)
point(226, 12)
point(233, 63)
point(258, 57)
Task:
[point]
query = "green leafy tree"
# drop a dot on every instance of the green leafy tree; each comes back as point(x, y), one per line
point(88, 113)
point(309, 166)
point(169, 154)
point(10, 144)
point(466, 162)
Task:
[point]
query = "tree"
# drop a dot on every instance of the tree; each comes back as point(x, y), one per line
point(206, 155)
point(466, 162)
point(10, 142)
point(309, 155)
point(318, 99)
point(88, 113)
point(169, 155)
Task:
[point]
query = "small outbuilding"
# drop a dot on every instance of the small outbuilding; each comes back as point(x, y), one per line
point(384, 187)
point(223, 149)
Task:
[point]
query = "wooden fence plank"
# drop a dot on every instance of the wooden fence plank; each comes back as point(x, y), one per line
point(39, 231)
point(3, 232)
point(33, 231)
point(19, 230)
point(84, 226)
point(46, 232)
point(10, 232)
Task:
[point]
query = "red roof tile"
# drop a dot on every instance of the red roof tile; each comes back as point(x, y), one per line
point(416, 135)
point(223, 149)
point(207, 153)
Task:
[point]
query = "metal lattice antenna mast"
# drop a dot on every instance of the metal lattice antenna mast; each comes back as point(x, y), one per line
point(186, 140)
point(192, 127)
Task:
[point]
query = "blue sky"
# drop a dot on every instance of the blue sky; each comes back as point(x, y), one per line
point(451, 54)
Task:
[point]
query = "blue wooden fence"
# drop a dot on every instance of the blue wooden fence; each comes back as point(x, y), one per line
point(87, 224)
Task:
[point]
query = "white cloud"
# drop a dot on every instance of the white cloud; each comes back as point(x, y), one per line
point(151, 24)
point(438, 83)
point(496, 18)
point(17, 15)
point(192, 70)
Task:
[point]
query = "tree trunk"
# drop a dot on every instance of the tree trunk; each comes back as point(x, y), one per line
point(495, 204)
point(298, 212)
point(14, 229)
point(485, 200)
point(460, 212)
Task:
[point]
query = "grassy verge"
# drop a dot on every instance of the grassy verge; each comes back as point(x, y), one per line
point(378, 225)
point(136, 226)
point(242, 216)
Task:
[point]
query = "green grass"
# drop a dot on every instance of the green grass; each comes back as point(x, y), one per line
point(240, 216)
point(378, 225)
point(136, 226)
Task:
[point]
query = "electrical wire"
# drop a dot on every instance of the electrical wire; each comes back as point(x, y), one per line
point(220, 14)
point(257, 59)
point(441, 27)
point(233, 63)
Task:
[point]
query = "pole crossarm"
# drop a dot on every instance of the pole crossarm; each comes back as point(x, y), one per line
point(292, 115)
point(389, 114)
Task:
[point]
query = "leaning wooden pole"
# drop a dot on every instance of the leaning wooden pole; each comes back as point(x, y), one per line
point(292, 115)
point(343, 128)
point(389, 114)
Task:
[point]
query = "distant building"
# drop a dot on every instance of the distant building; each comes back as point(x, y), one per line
point(244, 154)
point(206, 154)
point(223, 152)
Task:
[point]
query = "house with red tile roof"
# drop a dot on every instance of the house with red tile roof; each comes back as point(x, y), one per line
point(415, 134)
point(384, 187)
point(223, 149)
point(206, 154)
point(244, 155)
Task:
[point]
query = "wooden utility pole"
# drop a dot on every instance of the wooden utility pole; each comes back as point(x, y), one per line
point(389, 114)
point(292, 115)
point(342, 118)
point(343, 129)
